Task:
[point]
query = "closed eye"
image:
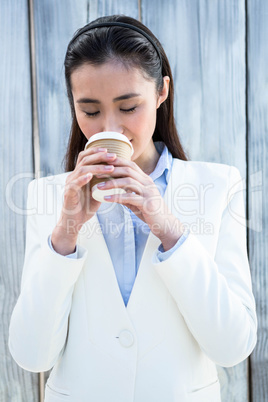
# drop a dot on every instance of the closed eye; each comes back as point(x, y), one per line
point(129, 110)
point(91, 114)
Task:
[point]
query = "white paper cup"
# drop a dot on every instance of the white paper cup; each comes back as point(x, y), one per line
point(115, 143)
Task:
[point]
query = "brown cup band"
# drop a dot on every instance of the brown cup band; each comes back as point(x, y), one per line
point(120, 148)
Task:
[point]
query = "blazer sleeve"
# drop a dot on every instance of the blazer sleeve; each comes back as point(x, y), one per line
point(43, 306)
point(214, 295)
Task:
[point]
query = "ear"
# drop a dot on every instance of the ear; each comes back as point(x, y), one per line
point(164, 93)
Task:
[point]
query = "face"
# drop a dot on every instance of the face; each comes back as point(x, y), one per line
point(111, 97)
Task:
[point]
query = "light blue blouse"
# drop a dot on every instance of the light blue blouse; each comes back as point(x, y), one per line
point(126, 234)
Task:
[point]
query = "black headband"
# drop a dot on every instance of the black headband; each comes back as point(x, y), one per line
point(120, 24)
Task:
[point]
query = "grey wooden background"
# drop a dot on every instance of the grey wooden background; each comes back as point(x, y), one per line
point(218, 50)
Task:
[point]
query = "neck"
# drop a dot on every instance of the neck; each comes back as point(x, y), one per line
point(148, 165)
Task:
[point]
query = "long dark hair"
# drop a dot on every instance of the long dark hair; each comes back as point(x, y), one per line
point(102, 44)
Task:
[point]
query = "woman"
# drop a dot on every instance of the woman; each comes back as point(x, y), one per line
point(144, 313)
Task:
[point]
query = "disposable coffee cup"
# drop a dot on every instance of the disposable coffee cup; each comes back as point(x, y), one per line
point(114, 143)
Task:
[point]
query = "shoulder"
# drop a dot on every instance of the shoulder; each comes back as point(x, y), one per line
point(203, 170)
point(52, 182)
point(45, 200)
point(51, 179)
point(219, 180)
point(202, 191)
point(46, 191)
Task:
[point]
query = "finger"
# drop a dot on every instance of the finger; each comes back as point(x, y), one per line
point(128, 184)
point(96, 157)
point(131, 185)
point(93, 169)
point(72, 187)
point(73, 194)
point(126, 199)
point(89, 151)
point(125, 162)
point(127, 171)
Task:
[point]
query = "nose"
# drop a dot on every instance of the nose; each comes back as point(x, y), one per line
point(111, 123)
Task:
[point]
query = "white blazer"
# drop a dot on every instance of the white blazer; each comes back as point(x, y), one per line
point(184, 315)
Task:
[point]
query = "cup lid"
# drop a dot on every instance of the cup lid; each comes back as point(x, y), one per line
point(107, 135)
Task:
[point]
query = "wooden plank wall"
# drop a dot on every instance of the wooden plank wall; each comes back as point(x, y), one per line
point(257, 111)
point(217, 51)
point(16, 159)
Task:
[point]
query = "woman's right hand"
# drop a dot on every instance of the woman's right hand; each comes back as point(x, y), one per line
point(79, 205)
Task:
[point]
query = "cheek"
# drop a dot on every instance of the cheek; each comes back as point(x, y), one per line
point(81, 119)
point(86, 125)
point(147, 120)
point(147, 117)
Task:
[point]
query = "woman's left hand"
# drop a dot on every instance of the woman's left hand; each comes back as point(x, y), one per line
point(144, 199)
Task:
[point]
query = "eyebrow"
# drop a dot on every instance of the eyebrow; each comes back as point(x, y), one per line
point(122, 97)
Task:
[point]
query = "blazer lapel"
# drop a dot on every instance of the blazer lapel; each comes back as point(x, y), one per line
point(176, 178)
point(149, 297)
point(106, 311)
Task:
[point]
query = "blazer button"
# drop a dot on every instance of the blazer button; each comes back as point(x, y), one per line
point(126, 338)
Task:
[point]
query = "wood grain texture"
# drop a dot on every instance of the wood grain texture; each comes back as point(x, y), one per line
point(205, 44)
point(16, 172)
point(257, 18)
point(55, 24)
point(100, 8)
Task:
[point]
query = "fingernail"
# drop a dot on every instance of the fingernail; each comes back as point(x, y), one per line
point(101, 149)
point(102, 184)
point(108, 167)
point(110, 155)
